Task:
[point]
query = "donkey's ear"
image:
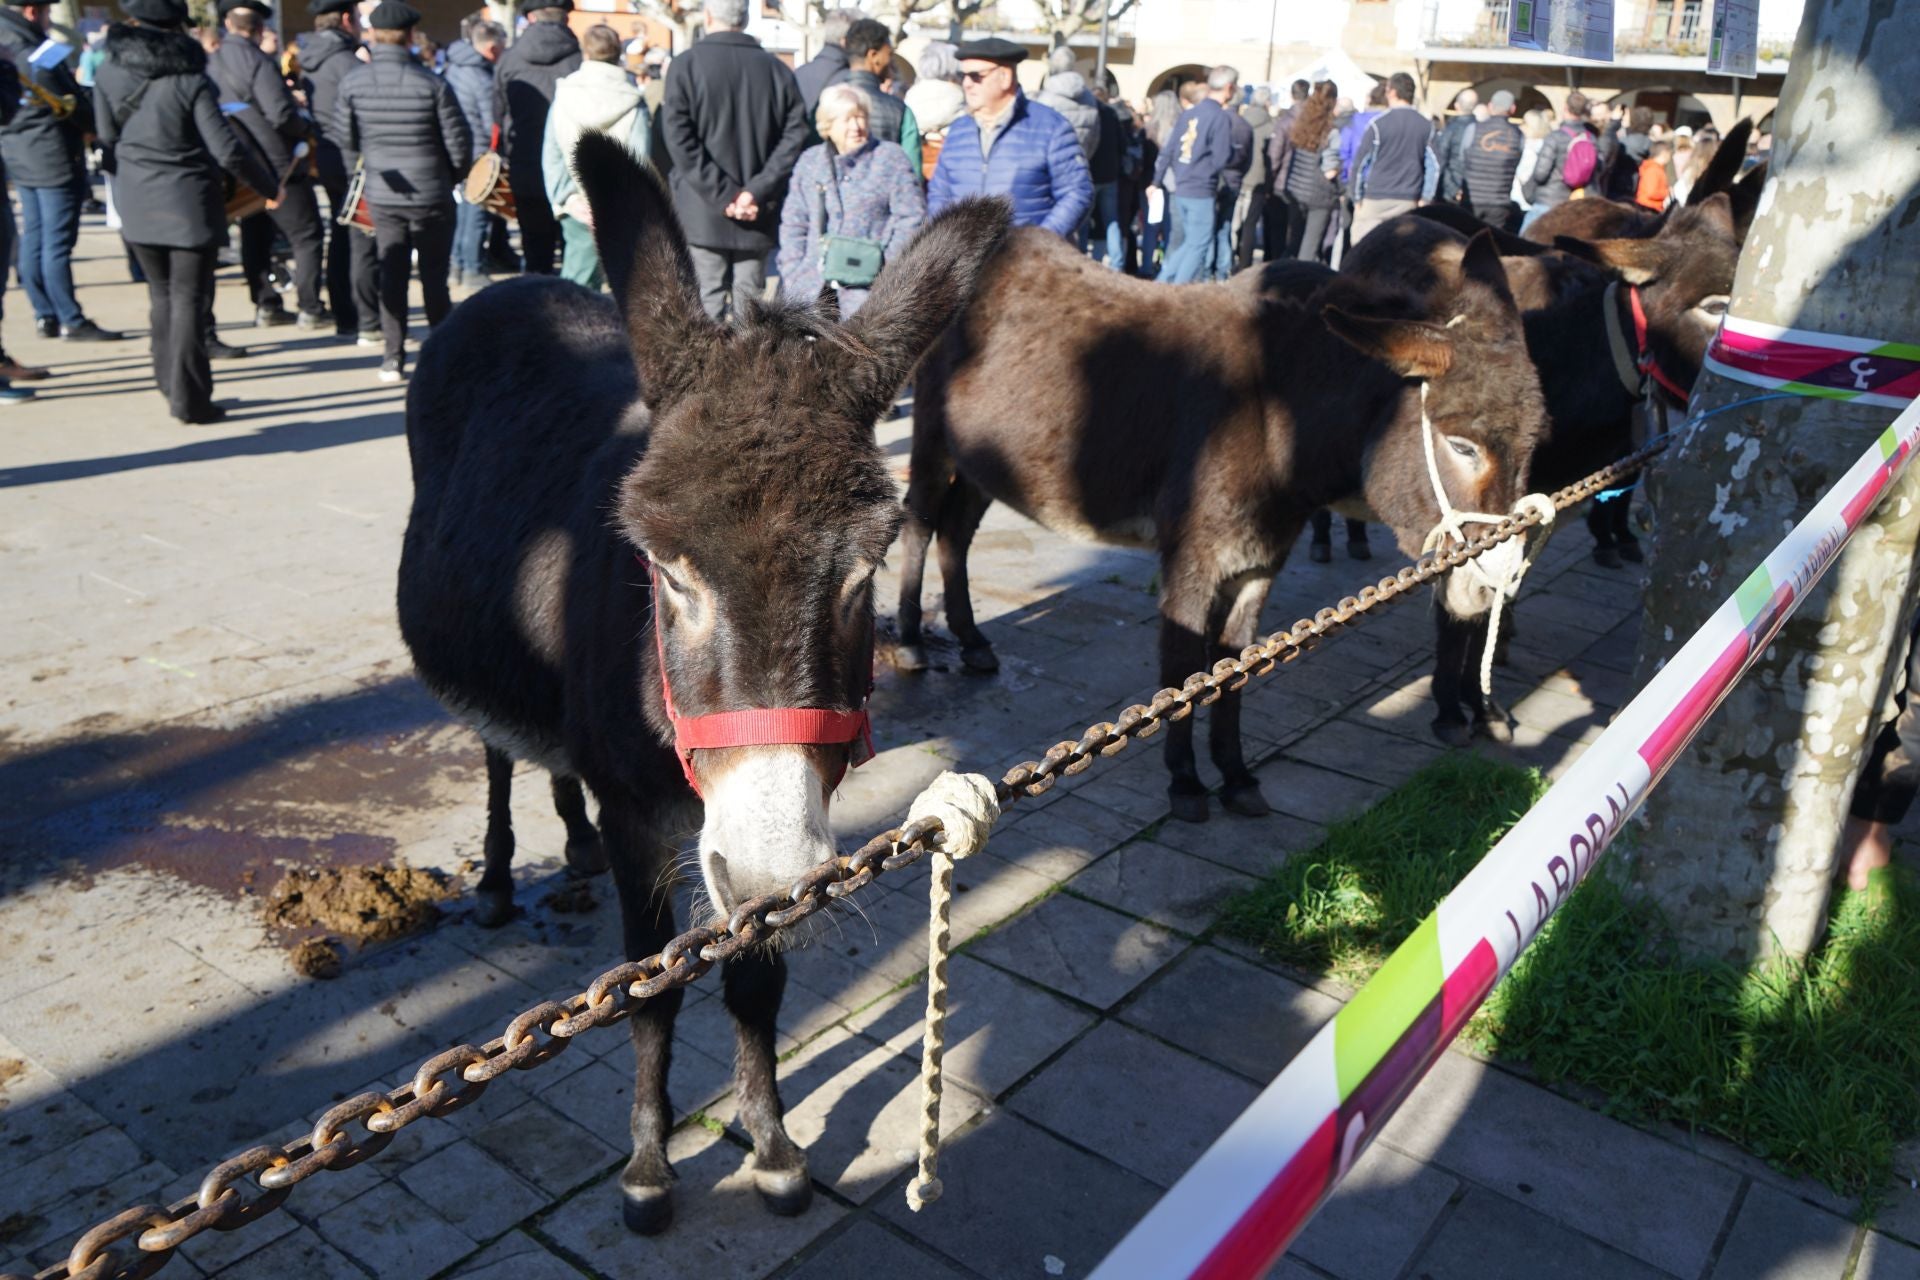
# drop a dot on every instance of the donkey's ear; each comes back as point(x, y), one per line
point(1725, 165)
point(826, 304)
point(919, 293)
point(646, 258)
point(1481, 263)
point(1411, 348)
point(1745, 198)
point(1635, 261)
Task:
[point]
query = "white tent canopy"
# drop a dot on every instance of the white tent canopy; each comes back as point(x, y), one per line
point(1333, 65)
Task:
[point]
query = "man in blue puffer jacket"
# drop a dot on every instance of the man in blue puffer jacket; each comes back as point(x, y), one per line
point(1008, 146)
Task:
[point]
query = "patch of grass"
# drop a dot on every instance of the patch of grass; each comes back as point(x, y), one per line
point(1814, 1065)
point(1340, 909)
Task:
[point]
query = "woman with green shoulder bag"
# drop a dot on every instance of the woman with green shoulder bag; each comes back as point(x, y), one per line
point(853, 203)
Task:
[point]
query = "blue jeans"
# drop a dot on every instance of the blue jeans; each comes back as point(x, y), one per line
point(49, 228)
point(1109, 246)
point(469, 233)
point(1220, 266)
point(1534, 214)
point(1193, 256)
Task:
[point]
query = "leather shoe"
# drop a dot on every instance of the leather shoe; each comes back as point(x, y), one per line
point(13, 371)
point(206, 417)
point(88, 331)
point(271, 317)
point(47, 327)
point(218, 350)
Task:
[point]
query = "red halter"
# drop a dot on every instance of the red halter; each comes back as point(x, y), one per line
point(1648, 365)
point(759, 726)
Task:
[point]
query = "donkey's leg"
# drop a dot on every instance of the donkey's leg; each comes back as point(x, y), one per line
point(929, 477)
point(1453, 641)
point(1489, 717)
point(1242, 602)
point(585, 856)
point(1186, 596)
point(493, 899)
point(647, 925)
point(754, 984)
point(1320, 550)
point(1600, 524)
point(960, 516)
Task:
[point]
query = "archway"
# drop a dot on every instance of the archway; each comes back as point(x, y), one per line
point(1174, 77)
point(1525, 97)
point(1669, 106)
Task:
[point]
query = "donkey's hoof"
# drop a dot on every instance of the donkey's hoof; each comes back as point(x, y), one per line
point(785, 1192)
point(1245, 801)
point(1630, 551)
point(493, 907)
point(909, 657)
point(1455, 733)
point(1188, 808)
point(647, 1211)
point(979, 658)
point(1357, 550)
point(587, 856)
point(1606, 557)
point(1320, 552)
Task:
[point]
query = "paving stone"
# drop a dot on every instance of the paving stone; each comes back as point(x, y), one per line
point(1776, 1237)
point(1053, 856)
point(1252, 845)
point(1625, 1188)
point(998, 1027)
point(719, 1226)
point(1355, 748)
point(394, 1234)
point(1020, 1202)
point(36, 1112)
point(516, 1257)
point(1110, 1092)
point(1558, 712)
point(68, 1171)
point(1170, 888)
point(854, 1106)
point(1079, 949)
point(1884, 1258)
point(300, 1253)
point(599, 1098)
point(545, 1148)
point(49, 1232)
point(1372, 1225)
point(1489, 1237)
point(472, 1190)
point(1318, 795)
point(868, 1249)
point(1237, 1014)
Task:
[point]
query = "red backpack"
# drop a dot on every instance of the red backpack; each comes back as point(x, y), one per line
point(1582, 158)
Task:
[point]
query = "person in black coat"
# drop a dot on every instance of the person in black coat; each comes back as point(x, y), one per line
point(43, 155)
point(247, 77)
point(327, 54)
point(734, 127)
point(162, 126)
point(403, 122)
point(523, 83)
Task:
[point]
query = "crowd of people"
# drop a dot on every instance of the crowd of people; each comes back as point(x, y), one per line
point(217, 143)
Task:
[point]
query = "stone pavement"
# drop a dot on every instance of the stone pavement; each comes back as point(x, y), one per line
point(203, 683)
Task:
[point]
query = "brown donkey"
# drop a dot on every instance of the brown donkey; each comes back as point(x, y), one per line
point(1209, 422)
point(629, 524)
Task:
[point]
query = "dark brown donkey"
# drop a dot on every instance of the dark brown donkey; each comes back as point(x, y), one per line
point(1597, 365)
point(565, 453)
point(1209, 422)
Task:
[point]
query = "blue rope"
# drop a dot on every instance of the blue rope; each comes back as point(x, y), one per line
point(1608, 495)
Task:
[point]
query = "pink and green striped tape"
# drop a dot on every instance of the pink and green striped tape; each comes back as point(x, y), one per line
point(1804, 362)
point(1233, 1214)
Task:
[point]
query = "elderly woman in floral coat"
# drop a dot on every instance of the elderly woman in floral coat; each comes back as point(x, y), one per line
point(852, 184)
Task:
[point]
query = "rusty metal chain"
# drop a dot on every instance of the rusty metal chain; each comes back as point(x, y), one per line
point(139, 1241)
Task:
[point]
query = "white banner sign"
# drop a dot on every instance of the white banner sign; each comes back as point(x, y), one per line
point(1570, 28)
point(1736, 38)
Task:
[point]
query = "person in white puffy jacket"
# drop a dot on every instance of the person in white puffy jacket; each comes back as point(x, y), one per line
point(601, 97)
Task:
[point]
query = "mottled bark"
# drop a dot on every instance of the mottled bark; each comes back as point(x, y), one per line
point(1739, 843)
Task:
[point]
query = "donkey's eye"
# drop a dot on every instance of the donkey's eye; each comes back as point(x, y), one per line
point(1465, 448)
point(1715, 306)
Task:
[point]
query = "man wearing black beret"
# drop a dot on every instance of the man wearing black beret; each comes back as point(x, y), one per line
point(327, 54)
point(402, 121)
point(523, 83)
point(270, 118)
point(1008, 145)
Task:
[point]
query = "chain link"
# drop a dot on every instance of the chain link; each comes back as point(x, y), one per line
point(542, 1033)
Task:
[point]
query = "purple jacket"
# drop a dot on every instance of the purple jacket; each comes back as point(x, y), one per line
point(1036, 161)
point(878, 198)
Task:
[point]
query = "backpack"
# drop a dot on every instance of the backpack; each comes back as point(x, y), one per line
point(1582, 158)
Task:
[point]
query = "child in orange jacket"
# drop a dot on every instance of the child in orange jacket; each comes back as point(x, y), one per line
point(1653, 190)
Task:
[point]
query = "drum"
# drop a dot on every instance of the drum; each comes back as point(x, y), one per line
point(486, 186)
point(242, 200)
point(353, 211)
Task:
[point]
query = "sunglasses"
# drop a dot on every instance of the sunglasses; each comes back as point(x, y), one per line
point(976, 77)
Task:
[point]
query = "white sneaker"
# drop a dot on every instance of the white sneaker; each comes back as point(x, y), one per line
point(390, 371)
point(369, 338)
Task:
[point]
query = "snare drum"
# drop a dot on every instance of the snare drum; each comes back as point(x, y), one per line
point(353, 211)
point(242, 200)
point(486, 186)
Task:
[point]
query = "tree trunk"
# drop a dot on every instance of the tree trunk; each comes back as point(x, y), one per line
point(1739, 843)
